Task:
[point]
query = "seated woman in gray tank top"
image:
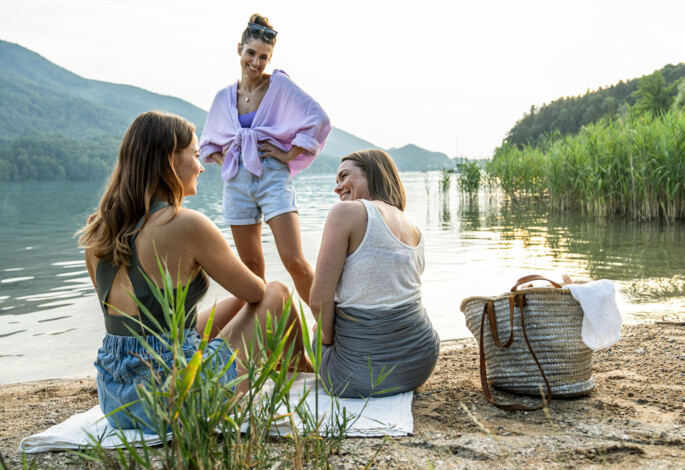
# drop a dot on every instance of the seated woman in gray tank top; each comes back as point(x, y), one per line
point(139, 220)
point(367, 285)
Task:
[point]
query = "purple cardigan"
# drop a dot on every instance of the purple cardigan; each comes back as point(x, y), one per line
point(286, 117)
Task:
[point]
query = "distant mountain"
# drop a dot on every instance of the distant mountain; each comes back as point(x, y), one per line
point(38, 96)
point(55, 124)
point(340, 143)
point(407, 158)
point(413, 158)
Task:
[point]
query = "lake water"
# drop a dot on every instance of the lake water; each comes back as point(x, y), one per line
point(51, 324)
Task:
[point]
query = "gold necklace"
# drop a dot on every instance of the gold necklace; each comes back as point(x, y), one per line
point(247, 96)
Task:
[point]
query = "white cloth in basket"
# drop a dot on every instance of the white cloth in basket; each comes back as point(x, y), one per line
point(602, 319)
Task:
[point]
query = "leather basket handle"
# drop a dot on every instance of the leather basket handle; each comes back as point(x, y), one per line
point(489, 311)
point(533, 277)
point(490, 308)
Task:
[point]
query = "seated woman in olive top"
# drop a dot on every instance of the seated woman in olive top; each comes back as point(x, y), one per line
point(140, 220)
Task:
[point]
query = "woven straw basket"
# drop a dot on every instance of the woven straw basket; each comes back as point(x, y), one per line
point(545, 352)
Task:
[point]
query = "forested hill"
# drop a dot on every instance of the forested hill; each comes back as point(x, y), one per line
point(39, 96)
point(56, 125)
point(568, 115)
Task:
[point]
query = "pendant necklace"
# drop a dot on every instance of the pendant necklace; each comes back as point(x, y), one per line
point(247, 96)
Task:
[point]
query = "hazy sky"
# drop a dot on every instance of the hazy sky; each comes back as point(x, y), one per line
point(450, 76)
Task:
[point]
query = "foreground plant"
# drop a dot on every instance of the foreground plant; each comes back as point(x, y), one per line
point(207, 424)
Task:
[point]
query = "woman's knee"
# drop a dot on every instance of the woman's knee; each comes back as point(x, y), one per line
point(277, 296)
point(277, 290)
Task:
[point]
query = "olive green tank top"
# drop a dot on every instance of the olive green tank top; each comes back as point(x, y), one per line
point(119, 324)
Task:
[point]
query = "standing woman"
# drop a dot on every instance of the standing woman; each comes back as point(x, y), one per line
point(263, 130)
point(367, 286)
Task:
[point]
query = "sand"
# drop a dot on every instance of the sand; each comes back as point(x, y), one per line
point(635, 417)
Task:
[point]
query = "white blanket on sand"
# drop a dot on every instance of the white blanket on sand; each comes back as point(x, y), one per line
point(387, 416)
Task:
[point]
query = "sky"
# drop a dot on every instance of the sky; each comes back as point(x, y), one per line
point(450, 76)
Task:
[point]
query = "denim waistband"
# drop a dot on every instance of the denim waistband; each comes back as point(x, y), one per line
point(126, 345)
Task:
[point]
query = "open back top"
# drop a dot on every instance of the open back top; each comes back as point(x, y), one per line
point(120, 324)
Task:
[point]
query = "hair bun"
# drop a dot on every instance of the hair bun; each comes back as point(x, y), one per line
point(260, 20)
point(261, 35)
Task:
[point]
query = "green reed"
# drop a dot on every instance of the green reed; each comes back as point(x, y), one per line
point(469, 177)
point(633, 167)
point(445, 180)
point(210, 425)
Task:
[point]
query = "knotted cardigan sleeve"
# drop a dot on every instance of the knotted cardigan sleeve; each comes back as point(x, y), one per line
point(219, 130)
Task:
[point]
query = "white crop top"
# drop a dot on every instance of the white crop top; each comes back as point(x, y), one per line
point(382, 272)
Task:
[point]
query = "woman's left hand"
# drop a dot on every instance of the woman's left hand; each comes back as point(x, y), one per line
point(270, 150)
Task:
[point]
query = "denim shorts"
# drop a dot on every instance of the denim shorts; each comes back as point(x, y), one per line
point(121, 368)
point(247, 197)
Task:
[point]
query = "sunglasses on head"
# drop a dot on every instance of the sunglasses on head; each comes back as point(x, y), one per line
point(258, 29)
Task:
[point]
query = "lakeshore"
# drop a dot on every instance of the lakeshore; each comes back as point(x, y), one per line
point(635, 417)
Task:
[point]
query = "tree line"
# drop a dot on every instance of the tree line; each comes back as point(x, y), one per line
point(46, 157)
point(654, 94)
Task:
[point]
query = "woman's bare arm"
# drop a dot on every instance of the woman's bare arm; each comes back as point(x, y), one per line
point(340, 223)
point(218, 158)
point(213, 253)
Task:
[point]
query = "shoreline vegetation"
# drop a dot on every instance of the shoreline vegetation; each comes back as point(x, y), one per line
point(634, 418)
point(633, 167)
point(617, 151)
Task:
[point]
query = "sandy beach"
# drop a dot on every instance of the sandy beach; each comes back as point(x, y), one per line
point(635, 417)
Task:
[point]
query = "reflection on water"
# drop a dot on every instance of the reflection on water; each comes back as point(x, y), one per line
point(644, 258)
point(50, 321)
point(469, 214)
point(445, 212)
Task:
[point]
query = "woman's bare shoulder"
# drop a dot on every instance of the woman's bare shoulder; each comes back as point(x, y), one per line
point(188, 225)
point(348, 210)
point(192, 220)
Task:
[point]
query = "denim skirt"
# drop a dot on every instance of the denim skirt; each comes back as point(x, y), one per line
point(123, 364)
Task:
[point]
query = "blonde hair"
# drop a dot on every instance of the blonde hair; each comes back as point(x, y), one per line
point(381, 174)
point(144, 171)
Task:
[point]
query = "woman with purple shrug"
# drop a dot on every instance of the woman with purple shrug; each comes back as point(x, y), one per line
point(263, 130)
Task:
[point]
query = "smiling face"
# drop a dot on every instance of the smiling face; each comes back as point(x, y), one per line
point(352, 182)
point(254, 55)
point(188, 167)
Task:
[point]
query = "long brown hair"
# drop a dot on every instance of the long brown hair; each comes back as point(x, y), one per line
point(144, 171)
point(382, 177)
